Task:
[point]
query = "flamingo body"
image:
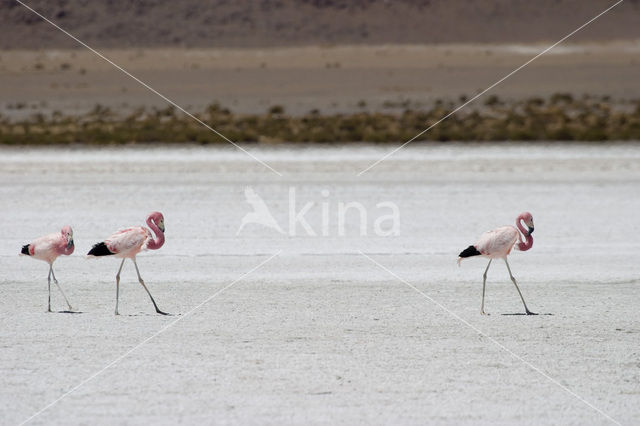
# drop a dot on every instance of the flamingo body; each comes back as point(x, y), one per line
point(127, 243)
point(48, 248)
point(498, 243)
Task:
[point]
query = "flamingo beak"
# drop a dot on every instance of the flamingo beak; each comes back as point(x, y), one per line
point(530, 230)
point(70, 243)
point(161, 226)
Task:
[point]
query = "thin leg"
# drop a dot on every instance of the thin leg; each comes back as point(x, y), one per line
point(517, 288)
point(484, 282)
point(60, 288)
point(145, 287)
point(49, 283)
point(118, 285)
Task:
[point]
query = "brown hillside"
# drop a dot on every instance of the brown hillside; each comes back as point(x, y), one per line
point(264, 23)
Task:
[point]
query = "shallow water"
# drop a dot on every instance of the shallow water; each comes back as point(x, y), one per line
point(321, 333)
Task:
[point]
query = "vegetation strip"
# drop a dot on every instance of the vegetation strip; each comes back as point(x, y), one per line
point(561, 117)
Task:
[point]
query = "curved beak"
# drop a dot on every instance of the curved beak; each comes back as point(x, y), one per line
point(530, 230)
point(161, 226)
point(70, 243)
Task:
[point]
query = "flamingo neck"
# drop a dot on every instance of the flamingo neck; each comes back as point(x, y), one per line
point(158, 241)
point(528, 239)
point(64, 249)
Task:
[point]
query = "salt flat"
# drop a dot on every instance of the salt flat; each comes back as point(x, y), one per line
point(320, 333)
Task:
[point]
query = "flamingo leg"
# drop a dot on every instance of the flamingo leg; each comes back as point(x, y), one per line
point(484, 282)
point(517, 288)
point(145, 287)
point(118, 285)
point(49, 285)
point(59, 288)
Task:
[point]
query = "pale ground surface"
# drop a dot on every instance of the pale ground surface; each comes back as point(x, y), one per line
point(330, 79)
point(320, 334)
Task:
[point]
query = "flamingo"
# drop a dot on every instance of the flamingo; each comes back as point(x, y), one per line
point(48, 248)
point(127, 243)
point(498, 244)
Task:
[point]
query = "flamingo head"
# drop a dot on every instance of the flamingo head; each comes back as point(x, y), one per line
point(67, 233)
point(527, 218)
point(158, 219)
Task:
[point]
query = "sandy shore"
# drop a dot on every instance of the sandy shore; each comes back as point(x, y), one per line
point(330, 79)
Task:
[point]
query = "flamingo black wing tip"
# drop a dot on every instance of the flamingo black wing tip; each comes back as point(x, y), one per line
point(468, 252)
point(100, 249)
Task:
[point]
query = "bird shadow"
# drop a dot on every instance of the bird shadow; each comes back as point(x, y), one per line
point(523, 314)
point(69, 312)
point(150, 315)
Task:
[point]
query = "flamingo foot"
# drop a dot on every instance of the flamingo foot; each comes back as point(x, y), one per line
point(531, 313)
point(161, 313)
point(484, 313)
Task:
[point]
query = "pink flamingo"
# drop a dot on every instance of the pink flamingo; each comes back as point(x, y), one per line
point(127, 243)
point(498, 244)
point(48, 248)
